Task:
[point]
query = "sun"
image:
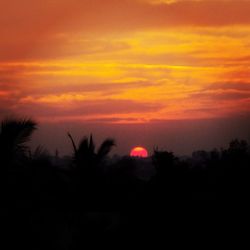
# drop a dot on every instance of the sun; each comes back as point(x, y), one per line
point(139, 152)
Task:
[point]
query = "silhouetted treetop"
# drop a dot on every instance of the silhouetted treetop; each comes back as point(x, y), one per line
point(14, 134)
point(85, 155)
point(163, 160)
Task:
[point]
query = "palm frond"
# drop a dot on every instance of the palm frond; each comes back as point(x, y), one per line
point(15, 133)
point(40, 152)
point(73, 143)
point(83, 147)
point(105, 148)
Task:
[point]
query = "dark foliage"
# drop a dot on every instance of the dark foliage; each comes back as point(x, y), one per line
point(97, 199)
point(14, 134)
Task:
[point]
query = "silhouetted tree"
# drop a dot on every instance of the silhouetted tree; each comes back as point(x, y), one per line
point(86, 158)
point(238, 148)
point(14, 135)
point(163, 161)
point(163, 184)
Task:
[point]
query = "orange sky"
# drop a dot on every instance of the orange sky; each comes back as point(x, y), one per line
point(124, 61)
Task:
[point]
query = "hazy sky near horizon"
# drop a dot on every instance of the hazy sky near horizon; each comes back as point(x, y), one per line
point(124, 61)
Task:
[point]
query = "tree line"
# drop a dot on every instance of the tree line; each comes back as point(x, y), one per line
point(46, 206)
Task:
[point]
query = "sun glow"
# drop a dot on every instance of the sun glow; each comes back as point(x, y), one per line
point(139, 152)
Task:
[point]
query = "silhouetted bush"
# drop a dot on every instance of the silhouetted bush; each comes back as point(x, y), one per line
point(89, 196)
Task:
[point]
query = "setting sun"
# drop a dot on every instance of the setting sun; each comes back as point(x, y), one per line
point(139, 152)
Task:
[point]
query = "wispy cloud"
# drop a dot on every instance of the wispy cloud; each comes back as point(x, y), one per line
point(125, 61)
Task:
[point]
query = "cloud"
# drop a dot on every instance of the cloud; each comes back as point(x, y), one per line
point(230, 95)
point(231, 86)
point(89, 89)
point(124, 59)
point(80, 109)
point(31, 29)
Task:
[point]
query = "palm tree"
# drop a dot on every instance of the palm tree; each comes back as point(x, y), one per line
point(86, 158)
point(14, 135)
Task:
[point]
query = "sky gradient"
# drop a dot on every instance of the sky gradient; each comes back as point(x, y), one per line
point(125, 61)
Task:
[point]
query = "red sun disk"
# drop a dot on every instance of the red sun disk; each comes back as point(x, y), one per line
point(139, 152)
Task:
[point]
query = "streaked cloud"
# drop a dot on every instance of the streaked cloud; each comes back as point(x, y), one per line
point(125, 60)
